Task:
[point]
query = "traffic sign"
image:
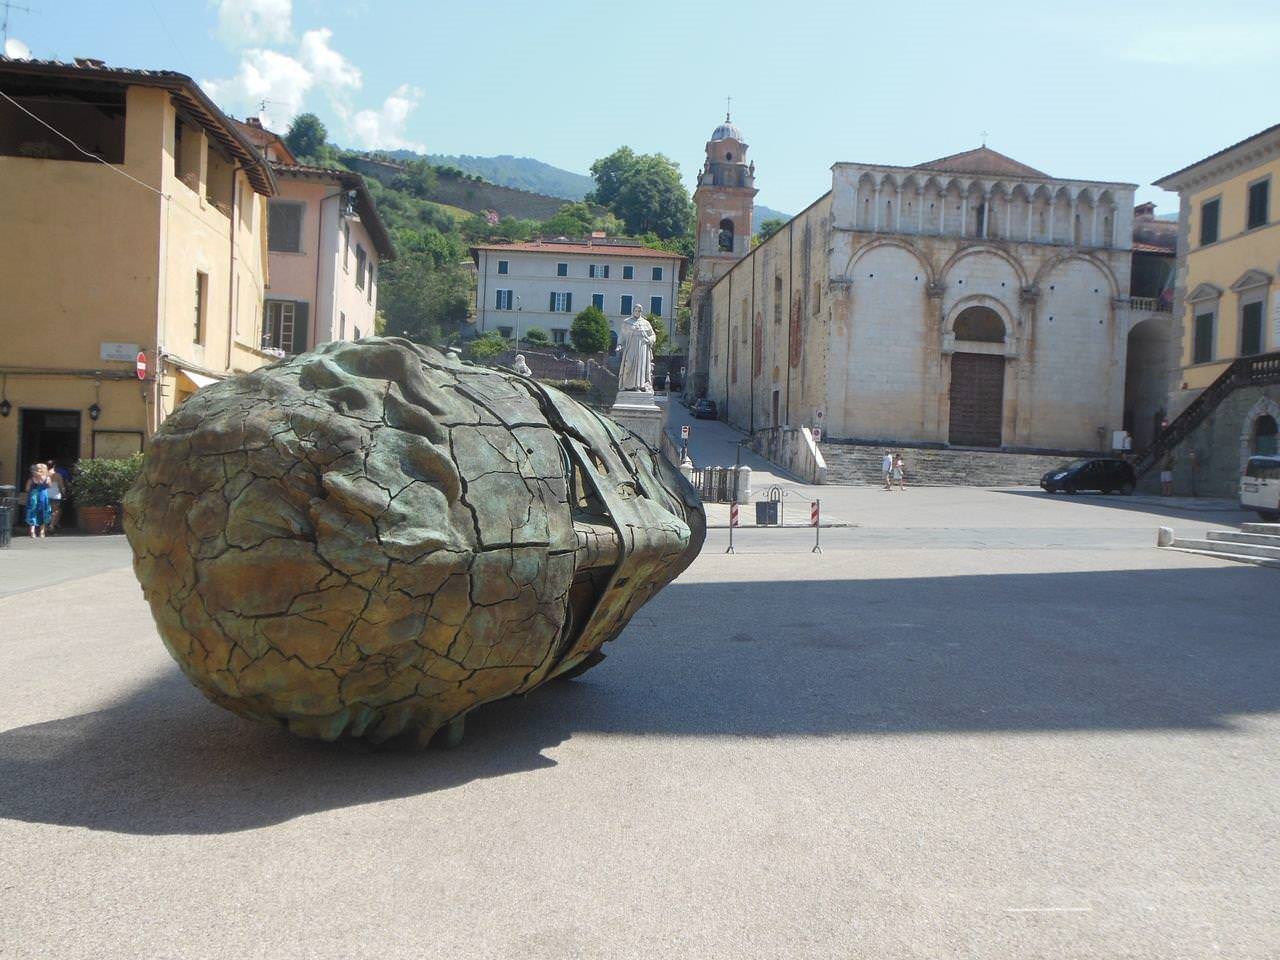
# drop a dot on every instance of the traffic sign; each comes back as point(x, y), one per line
point(142, 365)
point(733, 514)
point(814, 513)
point(817, 434)
point(684, 432)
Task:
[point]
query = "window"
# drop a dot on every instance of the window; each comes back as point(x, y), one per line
point(360, 261)
point(369, 293)
point(202, 296)
point(346, 243)
point(504, 332)
point(726, 235)
point(655, 306)
point(559, 335)
point(503, 301)
point(503, 266)
point(1258, 203)
point(777, 299)
point(657, 273)
point(628, 272)
point(284, 226)
point(342, 325)
point(284, 326)
point(625, 308)
point(355, 333)
point(598, 271)
point(817, 297)
point(1251, 329)
point(1204, 338)
point(562, 269)
point(561, 302)
point(597, 301)
point(1208, 221)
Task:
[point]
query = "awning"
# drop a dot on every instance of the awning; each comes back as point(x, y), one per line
point(196, 380)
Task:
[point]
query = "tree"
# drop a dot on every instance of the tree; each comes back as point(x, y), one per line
point(418, 179)
point(662, 342)
point(420, 299)
point(609, 173)
point(571, 220)
point(590, 331)
point(306, 136)
point(536, 336)
point(644, 191)
point(769, 228)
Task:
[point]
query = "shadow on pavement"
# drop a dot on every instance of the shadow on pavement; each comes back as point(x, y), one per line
point(1210, 512)
point(1177, 649)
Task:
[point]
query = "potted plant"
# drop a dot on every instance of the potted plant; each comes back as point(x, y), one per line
point(98, 486)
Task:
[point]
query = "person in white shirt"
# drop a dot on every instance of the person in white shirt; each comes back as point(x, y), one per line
point(886, 470)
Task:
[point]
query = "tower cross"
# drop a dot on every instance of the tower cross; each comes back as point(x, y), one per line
point(728, 102)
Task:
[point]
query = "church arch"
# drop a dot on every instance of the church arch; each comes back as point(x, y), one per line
point(1050, 265)
point(989, 249)
point(979, 323)
point(865, 249)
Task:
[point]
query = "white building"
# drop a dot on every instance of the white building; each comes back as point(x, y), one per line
point(545, 284)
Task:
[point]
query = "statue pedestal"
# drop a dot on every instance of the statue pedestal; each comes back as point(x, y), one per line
point(638, 412)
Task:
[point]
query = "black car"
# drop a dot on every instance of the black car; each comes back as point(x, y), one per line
point(704, 409)
point(1104, 474)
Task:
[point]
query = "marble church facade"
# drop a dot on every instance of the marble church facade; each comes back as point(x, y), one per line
point(971, 301)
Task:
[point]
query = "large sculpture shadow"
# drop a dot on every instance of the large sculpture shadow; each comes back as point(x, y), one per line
point(1188, 648)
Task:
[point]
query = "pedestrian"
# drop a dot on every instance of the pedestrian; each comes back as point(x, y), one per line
point(886, 469)
point(1166, 476)
point(38, 499)
point(899, 472)
point(57, 493)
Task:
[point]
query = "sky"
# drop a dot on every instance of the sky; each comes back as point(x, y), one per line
point(1087, 90)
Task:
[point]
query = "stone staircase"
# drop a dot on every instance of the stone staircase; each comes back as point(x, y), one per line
point(859, 464)
point(1257, 543)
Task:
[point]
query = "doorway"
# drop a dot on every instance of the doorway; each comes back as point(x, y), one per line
point(977, 399)
point(45, 435)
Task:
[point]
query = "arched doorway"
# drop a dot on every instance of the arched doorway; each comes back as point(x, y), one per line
point(977, 381)
point(1264, 436)
point(1146, 368)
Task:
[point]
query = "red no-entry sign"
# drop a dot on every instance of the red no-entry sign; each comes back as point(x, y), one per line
point(142, 366)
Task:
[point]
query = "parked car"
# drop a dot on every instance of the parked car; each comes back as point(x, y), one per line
point(704, 408)
point(1103, 474)
point(1260, 487)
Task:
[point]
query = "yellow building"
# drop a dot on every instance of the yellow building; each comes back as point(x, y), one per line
point(1227, 384)
point(135, 223)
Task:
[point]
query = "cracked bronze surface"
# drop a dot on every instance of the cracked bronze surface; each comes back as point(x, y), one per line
point(372, 540)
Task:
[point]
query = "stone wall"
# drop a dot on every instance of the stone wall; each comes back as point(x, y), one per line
point(473, 196)
point(1209, 462)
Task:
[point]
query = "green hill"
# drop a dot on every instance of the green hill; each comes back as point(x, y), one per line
point(519, 173)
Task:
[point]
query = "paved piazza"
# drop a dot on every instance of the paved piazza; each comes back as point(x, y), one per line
point(980, 724)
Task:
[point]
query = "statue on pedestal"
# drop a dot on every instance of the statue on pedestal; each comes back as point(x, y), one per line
point(635, 371)
point(522, 366)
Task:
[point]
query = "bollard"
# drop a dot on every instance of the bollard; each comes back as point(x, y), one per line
point(744, 484)
point(1164, 537)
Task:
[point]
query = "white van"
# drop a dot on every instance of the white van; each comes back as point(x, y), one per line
point(1260, 487)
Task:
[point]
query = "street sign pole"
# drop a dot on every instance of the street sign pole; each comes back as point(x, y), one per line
point(815, 517)
point(733, 522)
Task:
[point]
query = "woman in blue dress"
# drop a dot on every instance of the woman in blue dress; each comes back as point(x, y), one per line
point(38, 509)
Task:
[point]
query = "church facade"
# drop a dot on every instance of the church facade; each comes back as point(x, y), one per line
point(971, 301)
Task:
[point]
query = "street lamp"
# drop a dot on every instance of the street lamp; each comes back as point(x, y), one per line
point(518, 309)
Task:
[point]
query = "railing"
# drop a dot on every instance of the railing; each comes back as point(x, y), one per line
point(716, 484)
point(1244, 372)
point(1150, 305)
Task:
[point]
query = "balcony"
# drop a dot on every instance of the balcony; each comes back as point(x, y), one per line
point(1149, 305)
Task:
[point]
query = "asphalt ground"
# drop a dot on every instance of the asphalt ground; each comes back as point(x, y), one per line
point(980, 724)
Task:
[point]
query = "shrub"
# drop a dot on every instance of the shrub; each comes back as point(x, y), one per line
point(536, 335)
point(486, 347)
point(102, 483)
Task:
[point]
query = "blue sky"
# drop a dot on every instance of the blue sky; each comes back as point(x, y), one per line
point(1104, 90)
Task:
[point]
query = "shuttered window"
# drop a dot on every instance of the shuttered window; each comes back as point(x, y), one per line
point(561, 302)
point(626, 304)
point(1258, 203)
point(1209, 222)
point(597, 301)
point(657, 273)
point(1204, 338)
point(655, 306)
point(1251, 329)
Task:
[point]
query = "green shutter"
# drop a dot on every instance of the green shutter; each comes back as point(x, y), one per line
point(568, 303)
point(301, 326)
point(552, 308)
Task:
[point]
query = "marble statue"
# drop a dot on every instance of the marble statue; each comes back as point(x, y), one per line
point(635, 371)
point(371, 540)
point(521, 366)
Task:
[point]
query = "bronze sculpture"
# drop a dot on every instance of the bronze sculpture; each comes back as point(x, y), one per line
point(373, 539)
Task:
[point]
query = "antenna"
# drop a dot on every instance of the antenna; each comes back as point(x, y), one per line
point(4, 25)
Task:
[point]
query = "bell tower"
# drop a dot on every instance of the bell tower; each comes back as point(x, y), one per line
point(723, 199)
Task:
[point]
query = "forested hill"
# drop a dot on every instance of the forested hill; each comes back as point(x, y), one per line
point(520, 173)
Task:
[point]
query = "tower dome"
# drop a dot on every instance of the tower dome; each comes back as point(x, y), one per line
point(727, 131)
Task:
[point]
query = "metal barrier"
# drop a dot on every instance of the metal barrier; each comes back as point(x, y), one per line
point(716, 484)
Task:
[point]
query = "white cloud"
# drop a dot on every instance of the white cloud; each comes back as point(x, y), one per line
point(16, 49)
point(266, 75)
point(330, 68)
point(246, 23)
point(1205, 45)
point(384, 128)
